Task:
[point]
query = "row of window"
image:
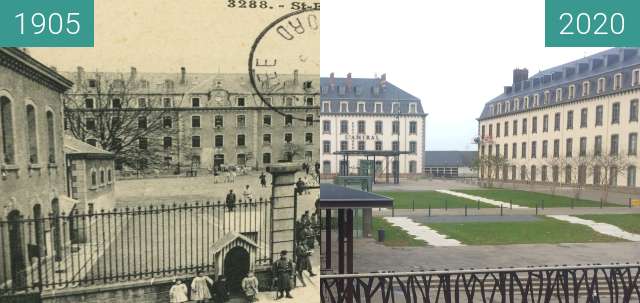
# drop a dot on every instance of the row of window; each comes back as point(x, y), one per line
point(101, 178)
point(614, 149)
point(241, 159)
point(561, 93)
point(218, 141)
point(31, 133)
point(584, 114)
point(571, 174)
point(361, 127)
point(344, 145)
point(362, 108)
point(241, 121)
point(167, 102)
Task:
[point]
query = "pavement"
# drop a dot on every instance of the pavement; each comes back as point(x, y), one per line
point(370, 256)
point(603, 228)
point(422, 232)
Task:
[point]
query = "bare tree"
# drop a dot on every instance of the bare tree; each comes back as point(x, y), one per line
point(581, 168)
point(491, 165)
point(607, 168)
point(291, 151)
point(121, 116)
point(553, 163)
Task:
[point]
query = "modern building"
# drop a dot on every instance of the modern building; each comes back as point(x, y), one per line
point(91, 175)
point(32, 182)
point(373, 121)
point(573, 123)
point(199, 120)
point(450, 163)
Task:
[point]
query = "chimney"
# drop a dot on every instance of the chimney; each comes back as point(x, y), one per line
point(332, 81)
point(348, 82)
point(629, 53)
point(80, 75)
point(507, 90)
point(520, 74)
point(296, 78)
point(183, 75)
point(134, 74)
point(383, 80)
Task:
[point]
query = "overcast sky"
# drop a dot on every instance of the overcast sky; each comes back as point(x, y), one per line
point(453, 55)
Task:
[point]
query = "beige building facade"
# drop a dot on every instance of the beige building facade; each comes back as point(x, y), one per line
point(572, 124)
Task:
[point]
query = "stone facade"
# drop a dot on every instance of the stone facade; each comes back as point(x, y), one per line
point(32, 159)
point(214, 119)
point(549, 126)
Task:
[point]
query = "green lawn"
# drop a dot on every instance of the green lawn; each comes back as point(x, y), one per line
point(404, 199)
point(545, 230)
point(627, 222)
point(530, 199)
point(393, 235)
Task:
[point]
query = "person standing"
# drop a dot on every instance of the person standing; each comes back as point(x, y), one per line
point(220, 290)
point(303, 254)
point(247, 194)
point(178, 292)
point(200, 288)
point(300, 186)
point(282, 272)
point(231, 200)
point(318, 170)
point(263, 179)
point(250, 286)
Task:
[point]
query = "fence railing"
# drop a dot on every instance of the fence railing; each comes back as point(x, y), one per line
point(589, 284)
point(81, 249)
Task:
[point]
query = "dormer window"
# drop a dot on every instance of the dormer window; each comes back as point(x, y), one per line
point(166, 102)
point(395, 108)
point(361, 108)
point(378, 107)
point(195, 102)
point(499, 108)
point(507, 106)
point(288, 101)
point(492, 110)
point(412, 108)
point(536, 100)
point(572, 91)
point(240, 101)
point(617, 81)
point(586, 87)
point(601, 85)
point(547, 94)
point(516, 104)
point(344, 107)
point(326, 107)
point(93, 83)
point(559, 94)
point(526, 101)
point(142, 102)
point(88, 103)
point(635, 77)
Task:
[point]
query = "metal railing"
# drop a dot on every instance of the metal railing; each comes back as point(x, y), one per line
point(82, 249)
point(590, 284)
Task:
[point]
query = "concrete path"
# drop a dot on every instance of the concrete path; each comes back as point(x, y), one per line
point(603, 228)
point(477, 198)
point(422, 232)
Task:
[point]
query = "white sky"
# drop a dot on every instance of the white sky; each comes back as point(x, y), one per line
point(453, 55)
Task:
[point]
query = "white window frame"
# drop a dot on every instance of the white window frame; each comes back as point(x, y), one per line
point(602, 83)
point(344, 105)
point(559, 92)
point(635, 77)
point(363, 105)
point(617, 81)
point(572, 91)
point(378, 108)
point(586, 87)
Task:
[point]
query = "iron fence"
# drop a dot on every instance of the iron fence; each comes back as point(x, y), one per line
point(590, 284)
point(81, 249)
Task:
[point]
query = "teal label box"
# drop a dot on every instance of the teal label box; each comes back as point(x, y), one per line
point(46, 23)
point(594, 23)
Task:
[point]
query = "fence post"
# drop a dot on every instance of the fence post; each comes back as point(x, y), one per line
point(510, 204)
point(465, 210)
point(429, 210)
point(393, 210)
point(601, 201)
point(478, 204)
point(629, 202)
point(501, 210)
point(536, 209)
point(445, 205)
point(413, 205)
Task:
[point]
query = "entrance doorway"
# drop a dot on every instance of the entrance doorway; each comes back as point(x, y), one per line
point(236, 267)
point(18, 262)
point(217, 161)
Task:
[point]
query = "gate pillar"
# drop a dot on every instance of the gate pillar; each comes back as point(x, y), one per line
point(283, 207)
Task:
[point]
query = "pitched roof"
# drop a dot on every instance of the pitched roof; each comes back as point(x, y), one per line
point(228, 238)
point(604, 63)
point(73, 146)
point(368, 90)
point(451, 158)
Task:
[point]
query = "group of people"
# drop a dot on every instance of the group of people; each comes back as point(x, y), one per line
point(227, 174)
point(231, 198)
point(200, 291)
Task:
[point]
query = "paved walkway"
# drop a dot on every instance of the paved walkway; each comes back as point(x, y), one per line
point(603, 228)
point(370, 256)
point(422, 232)
point(506, 211)
point(478, 198)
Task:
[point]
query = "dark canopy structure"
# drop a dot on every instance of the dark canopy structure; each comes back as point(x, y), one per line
point(345, 200)
point(372, 154)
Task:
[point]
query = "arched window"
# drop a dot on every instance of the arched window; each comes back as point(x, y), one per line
point(94, 178)
point(51, 137)
point(102, 179)
point(32, 139)
point(109, 175)
point(6, 128)
point(17, 257)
